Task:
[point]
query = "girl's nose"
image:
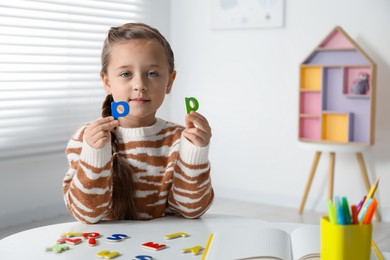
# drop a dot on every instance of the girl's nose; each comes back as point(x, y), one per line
point(139, 84)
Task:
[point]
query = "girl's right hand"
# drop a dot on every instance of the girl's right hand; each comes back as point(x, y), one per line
point(97, 134)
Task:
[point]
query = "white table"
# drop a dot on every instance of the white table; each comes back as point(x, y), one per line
point(31, 244)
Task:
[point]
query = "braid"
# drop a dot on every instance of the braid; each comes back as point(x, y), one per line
point(123, 206)
point(106, 107)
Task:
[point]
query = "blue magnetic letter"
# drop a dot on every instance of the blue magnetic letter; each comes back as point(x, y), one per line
point(143, 257)
point(114, 109)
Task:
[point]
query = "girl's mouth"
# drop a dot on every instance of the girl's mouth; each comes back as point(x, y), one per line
point(139, 100)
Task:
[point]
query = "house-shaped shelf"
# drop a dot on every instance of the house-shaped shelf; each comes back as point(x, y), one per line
point(337, 93)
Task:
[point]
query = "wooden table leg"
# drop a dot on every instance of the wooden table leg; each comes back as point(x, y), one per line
point(332, 158)
point(310, 180)
point(366, 180)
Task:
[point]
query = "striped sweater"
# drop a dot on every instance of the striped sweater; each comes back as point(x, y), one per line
point(171, 175)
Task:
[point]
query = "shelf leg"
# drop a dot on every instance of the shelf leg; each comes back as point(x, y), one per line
point(310, 180)
point(366, 180)
point(332, 159)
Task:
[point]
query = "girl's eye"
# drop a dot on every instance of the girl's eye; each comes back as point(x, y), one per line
point(152, 74)
point(125, 74)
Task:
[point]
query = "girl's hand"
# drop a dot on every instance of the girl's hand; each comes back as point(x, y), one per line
point(197, 130)
point(97, 134)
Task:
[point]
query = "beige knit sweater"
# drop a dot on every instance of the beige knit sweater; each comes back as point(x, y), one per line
point(171, 174)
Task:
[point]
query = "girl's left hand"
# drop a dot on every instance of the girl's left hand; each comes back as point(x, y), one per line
point(198, 130)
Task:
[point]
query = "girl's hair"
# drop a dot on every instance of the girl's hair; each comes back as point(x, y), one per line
point(123, 206)
point(134, 31)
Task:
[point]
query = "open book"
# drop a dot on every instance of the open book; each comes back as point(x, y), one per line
point(303, 243)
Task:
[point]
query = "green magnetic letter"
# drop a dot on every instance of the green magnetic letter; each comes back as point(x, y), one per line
point(191, 101)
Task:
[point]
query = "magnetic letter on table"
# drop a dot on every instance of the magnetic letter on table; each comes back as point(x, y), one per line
point(114, 109)
point(154, 246)
point(116, 237)
point(91, 236)
point(194, 102)
point(176, 235)
point(143, 257)
point(57, 248)
point(92, 241)
point(107, 254)
point(70, 241)
point(194, 250)
point(71, 234)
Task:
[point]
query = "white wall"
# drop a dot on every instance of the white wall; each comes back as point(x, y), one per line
point(31, 189)
point(247, 84)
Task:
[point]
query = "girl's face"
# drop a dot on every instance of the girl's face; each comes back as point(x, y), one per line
point(138, 73)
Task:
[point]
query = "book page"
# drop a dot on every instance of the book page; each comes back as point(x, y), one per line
point(264, 243)
point(305, 243)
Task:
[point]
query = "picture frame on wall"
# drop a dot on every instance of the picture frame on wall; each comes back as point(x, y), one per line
point(241, 14)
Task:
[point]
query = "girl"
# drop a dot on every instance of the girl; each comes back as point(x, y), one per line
point(139, 166)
